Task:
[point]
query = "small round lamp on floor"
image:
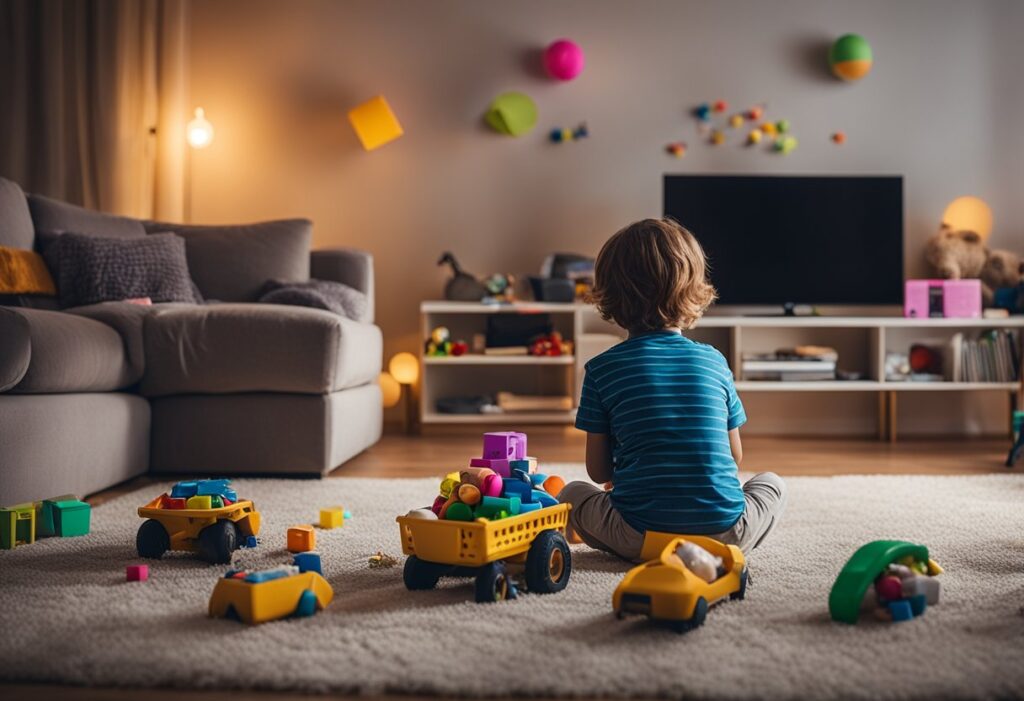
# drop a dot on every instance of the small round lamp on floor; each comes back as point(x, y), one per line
point(405, 369)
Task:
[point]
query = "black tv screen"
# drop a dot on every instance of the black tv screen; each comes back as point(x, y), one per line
point(774, 240)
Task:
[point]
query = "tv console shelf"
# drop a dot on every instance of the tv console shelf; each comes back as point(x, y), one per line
point(862, 342)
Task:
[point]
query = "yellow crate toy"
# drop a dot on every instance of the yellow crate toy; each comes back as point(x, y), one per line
point(259, 596)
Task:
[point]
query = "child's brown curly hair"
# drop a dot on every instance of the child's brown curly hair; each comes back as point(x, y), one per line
point(652, 275)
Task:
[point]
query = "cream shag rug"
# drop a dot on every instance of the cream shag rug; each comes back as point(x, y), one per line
point(67, 615)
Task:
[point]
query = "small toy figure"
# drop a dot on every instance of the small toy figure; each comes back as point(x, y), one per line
point(381, 560)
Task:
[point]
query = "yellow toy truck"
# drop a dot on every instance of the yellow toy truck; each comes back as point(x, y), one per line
point(197, 523)
point(665, 589)
point(490, 551)
point(258, 597)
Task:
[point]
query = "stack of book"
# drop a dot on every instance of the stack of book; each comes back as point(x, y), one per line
point(801, 364)
point(992, 357)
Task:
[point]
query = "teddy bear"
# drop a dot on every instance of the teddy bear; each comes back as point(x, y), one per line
point(956, 254)
point(1002, 269)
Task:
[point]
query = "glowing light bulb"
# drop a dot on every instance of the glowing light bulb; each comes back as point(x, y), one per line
point(199, 131)
point(405, 368)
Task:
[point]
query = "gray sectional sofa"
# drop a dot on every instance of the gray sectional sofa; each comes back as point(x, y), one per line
point(91, 396)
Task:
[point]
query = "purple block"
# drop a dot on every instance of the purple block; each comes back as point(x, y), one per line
point(500, 467)
point(507, 445)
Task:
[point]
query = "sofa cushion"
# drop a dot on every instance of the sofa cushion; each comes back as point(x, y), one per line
point(70, 353)
point(91, 269)
point(16, 229)
point(24, 272)
point(15, 348)
point(224, 348)
point(57, 217)
point(232, 263)
point(333, 296)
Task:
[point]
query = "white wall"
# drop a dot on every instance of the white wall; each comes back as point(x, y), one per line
point(941, 108)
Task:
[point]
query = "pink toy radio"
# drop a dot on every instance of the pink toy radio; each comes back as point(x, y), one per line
point(951, 299)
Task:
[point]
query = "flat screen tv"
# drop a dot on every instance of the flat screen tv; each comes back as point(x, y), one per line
point(785, 240)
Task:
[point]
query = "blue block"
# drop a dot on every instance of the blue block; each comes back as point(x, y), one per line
point(522, 477)
point(528, 507)
point(308, 562)
point(258, 577)
point(537, 479)
point(515, 488)
point(918, 604)
point(230, 494)
point(184, 490)
point(212, 487)
point(307, 604)
point(544, 498)
point(900, 610)
point(251, 542)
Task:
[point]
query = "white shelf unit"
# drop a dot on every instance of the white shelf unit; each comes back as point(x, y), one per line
point(475, 374)
point(862, 342)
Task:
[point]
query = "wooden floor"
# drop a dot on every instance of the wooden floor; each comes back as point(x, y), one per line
point(399, 456)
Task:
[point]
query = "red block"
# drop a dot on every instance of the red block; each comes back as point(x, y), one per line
point(172, 503)
point(137, 573)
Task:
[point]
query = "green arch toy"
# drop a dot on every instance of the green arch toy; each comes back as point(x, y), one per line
point(863, 567)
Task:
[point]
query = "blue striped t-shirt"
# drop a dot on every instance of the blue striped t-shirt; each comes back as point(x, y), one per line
point(667, 404)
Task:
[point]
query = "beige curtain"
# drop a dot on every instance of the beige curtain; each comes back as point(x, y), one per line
point(93, 102)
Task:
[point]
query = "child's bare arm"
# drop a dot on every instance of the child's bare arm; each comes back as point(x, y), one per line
point(599, 457)
point(734, 444)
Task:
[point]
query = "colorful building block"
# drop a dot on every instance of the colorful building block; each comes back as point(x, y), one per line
point(301, 539)
point(17, 525)
point(71, 518)
point(498, 465)
point(251, 541)
point(517, 488)
point(900, 610)
point(212, 487)
point(527, 465)
point(922, 584)
point(537, 478)
point(506, 445)
point(554, 485)
point(526, 507)
point(200, 502)
point(332, 517)
point(544, 498)
point(308, 562)
point(459, 512)
point(918, 604)
point(173, 503)
point(184, 490)
point(374, 123)
point(137, 573)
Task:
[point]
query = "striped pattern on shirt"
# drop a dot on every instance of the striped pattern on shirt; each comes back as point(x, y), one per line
point(668, 404)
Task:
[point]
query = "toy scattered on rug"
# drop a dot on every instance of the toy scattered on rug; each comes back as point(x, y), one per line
point(502, 483)
point(561, 136)
point(551, 344)
point(682, 578)
point(440, 344)
point(201, 516)
point(64, 516)
point(381, 560)
point(892, 578)
point(136, 573)
point(500, 493)
point(333, 517)
point(258, 596)
point(301, 539)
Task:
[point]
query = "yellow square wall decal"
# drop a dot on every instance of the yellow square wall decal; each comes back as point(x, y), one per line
point(375, 123)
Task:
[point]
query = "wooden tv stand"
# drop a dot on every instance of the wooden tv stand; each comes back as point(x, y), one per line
point(862, 342)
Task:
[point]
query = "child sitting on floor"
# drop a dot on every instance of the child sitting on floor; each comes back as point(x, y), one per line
point(661, 412)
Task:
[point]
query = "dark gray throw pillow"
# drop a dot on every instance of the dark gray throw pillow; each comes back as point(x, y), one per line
point(319, 294)
point(91, 269)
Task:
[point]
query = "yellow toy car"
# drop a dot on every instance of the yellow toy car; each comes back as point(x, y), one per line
point(666, 590)
point(214, 533)
point(489, 550)
point(257, 597)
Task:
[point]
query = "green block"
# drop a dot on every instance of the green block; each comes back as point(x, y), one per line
point(72, 518)
point(17, 525)
point(458, 512)
point(512, 114)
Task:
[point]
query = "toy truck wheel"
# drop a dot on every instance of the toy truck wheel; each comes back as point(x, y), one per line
point(218, 541)
point(700, 612)
point(548, 563)
point(740, 593)
point(493, 584)
point(152, 540)
point(419, 575)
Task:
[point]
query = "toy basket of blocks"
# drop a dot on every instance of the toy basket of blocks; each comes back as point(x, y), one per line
point(497, 521)
point(203, 516)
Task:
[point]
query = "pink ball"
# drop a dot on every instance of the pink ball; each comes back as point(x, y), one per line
point(889, 588)
point(491, 486)
point(563, 59)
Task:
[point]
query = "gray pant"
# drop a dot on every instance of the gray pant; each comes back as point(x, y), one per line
point(596, 521)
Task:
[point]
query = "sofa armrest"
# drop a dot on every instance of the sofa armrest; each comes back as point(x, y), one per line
point(348, 266)
point(15, 348)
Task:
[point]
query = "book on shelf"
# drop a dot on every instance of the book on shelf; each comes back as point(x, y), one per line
point(991, 357)
point(506, 350)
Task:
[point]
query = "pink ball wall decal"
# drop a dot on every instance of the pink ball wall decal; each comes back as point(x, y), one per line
point(563, 59)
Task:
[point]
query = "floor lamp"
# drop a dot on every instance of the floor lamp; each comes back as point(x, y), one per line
point(404, 368)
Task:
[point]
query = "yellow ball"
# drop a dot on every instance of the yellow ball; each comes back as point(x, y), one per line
point(736, 121)
point(768, 128)
point(717, 138)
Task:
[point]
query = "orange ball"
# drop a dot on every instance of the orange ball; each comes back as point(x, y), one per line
point(839, 137)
